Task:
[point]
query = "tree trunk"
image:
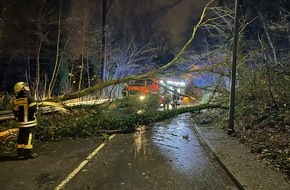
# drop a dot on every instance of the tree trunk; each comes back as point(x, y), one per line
point(262, 19)
point(54, 74)
point(103, 61)
point(88, 71)
point(37, 71)
point(83, 52)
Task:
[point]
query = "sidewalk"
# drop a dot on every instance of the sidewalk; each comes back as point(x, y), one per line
point(245, 168)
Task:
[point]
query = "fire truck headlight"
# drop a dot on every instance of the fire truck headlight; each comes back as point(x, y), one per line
point(142, 97)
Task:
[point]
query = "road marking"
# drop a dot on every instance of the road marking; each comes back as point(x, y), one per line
point(91, 155)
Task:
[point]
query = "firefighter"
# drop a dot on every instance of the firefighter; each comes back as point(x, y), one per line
point(167, 100)
point(125, 91)
point(24, 110)
point(175, 98)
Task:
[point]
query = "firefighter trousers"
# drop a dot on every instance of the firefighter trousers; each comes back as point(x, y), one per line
point(25, 137)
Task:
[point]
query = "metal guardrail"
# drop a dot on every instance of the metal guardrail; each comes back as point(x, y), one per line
point(8, 114)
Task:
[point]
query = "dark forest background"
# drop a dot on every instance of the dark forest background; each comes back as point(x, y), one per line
point(65, 46)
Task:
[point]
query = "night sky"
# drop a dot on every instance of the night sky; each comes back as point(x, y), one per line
point(179, 16)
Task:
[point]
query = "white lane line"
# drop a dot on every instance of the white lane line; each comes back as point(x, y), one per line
point(91, 155)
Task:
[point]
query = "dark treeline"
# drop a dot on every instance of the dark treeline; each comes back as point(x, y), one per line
point(57, 46)
point(61, 42)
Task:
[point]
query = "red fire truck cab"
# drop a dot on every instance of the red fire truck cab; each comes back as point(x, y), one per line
point(143, 86)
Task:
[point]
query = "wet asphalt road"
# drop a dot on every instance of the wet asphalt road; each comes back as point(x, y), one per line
point(165, 156)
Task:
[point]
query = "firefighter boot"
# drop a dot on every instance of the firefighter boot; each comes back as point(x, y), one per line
point(28, 154)
point(20, 153)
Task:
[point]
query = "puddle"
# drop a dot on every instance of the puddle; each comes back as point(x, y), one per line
point(140, 140)
point(177, 142)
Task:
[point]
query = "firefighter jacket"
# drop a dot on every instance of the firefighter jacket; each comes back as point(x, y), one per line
point(24, 110)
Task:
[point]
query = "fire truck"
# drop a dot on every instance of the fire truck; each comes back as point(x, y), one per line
point(143, 87)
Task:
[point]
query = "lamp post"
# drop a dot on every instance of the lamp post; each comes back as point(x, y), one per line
point(233, 72)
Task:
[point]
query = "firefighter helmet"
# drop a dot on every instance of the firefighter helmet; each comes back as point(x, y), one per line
point(18, 87)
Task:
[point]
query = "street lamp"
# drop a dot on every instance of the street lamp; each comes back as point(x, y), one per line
point(233, 73)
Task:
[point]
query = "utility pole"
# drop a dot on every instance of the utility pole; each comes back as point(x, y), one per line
point(233, 73)
point(103, 53)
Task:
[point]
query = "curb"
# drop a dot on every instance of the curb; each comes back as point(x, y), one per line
point(215, 155)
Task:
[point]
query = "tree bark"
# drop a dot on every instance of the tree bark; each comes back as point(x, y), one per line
point(54, 74)
point(262, 19)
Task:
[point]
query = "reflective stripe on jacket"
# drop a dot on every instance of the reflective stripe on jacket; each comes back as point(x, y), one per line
point(24, 109)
